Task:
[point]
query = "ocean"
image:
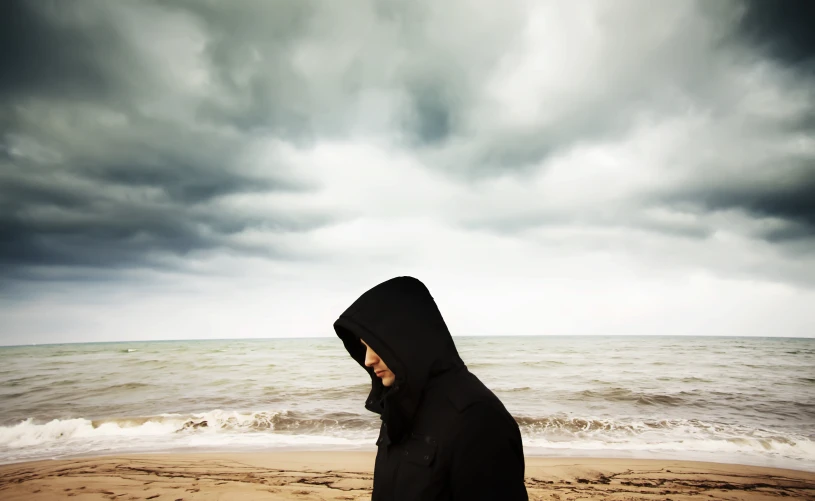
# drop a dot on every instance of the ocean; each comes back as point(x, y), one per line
point(737, 400)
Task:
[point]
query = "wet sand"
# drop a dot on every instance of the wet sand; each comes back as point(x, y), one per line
point(348, 476)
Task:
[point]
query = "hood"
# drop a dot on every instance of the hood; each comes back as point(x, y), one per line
point(400, 321)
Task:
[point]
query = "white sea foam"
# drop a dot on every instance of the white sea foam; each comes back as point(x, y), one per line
point(680, 438)
point(798, 454)
point(29, 440)
point(30, 433)
point(284, 429)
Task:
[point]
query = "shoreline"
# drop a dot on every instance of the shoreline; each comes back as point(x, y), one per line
point(333, 475)
point(728, 458)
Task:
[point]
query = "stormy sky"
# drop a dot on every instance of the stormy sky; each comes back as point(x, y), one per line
point(174, 169)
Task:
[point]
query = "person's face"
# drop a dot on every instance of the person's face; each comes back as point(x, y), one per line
point(372, 360)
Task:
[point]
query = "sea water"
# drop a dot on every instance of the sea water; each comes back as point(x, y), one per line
point(742, 400)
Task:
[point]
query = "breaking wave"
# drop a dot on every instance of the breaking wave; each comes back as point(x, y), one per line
point(31, 433)
point(681, 436)
point(31, 439)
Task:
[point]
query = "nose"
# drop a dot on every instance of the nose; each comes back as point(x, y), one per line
point(370, 357)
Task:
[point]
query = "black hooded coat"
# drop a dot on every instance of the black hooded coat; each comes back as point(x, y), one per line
point(444, 434)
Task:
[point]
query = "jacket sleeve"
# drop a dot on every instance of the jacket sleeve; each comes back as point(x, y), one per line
point(487, 457)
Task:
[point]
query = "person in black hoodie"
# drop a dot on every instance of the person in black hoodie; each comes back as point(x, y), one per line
point(444, 434)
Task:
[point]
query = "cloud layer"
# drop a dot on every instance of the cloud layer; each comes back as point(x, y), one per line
point(300, 151)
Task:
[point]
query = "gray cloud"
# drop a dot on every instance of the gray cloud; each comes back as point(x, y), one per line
point(197, 167)
point(45, 52)
point(302, 70)
point(790, 199)
point(783, 30)
point(94, 171)
point(749, 153)
point(126, 125)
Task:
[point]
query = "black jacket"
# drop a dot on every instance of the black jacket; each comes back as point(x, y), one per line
point(444, 435)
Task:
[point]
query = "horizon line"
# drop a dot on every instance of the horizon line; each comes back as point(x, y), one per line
point(271, 338)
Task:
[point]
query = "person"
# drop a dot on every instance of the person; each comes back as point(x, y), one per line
point(443, 435)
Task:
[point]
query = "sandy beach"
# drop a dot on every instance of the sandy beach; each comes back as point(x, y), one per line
point(348, 475)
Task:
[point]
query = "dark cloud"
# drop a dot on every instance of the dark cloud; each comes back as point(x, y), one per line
point(112, 196)
point(794, 201)
point(59, 221)
point(432, 119)
point(788, 199)
point(784, 29)
point(782, 187)
point(44, 49)
point(95, 173)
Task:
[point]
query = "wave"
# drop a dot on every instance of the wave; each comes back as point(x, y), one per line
point(280, 422)
point(269, 429)
point(118, 388)
point(356, 391)
point(501, 364)
point(30, 432)
point(665, 435)
point(561, 425)
point(626, 395)
point(513, 389)
point(30, 440)
point(64, 353)
point(21, 380)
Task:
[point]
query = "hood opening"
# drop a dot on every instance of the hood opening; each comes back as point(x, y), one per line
point(400, 321)
point(351, 333)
